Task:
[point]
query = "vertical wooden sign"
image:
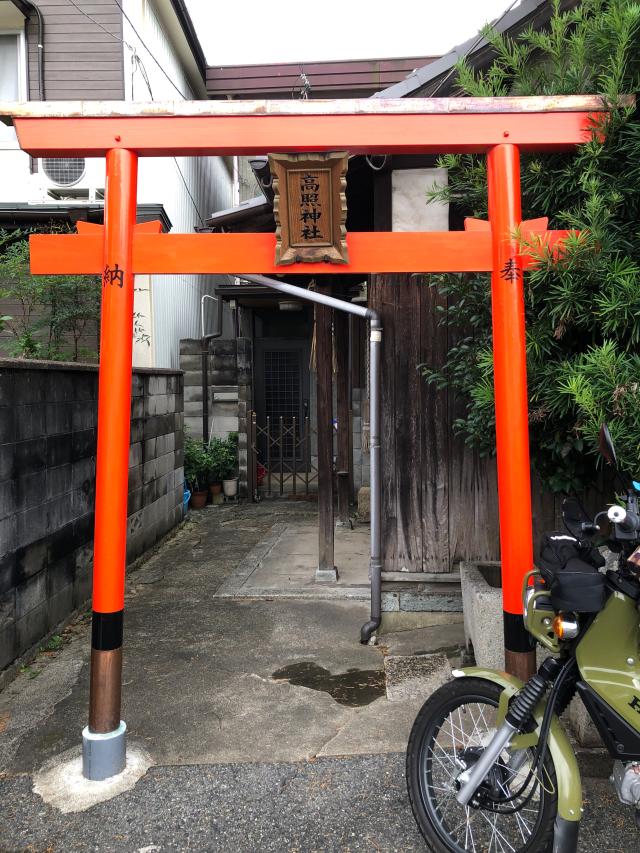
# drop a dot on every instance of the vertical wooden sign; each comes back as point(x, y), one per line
point(310, 207)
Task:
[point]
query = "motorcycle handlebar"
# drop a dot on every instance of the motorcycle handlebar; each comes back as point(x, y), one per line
point(626, 521)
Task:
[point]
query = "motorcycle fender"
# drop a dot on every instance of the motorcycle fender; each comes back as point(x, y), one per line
point(564, 758)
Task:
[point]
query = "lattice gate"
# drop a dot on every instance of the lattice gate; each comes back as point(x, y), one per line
point(282, 458)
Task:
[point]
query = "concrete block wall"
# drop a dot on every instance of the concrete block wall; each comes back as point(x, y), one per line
point(48, 419)
point(245, 406)
point(222, 372)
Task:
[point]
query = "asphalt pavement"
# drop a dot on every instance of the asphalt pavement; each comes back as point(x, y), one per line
point(331, 805)
point(267, 725)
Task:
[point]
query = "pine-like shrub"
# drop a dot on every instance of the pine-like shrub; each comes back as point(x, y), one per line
point(583, 312)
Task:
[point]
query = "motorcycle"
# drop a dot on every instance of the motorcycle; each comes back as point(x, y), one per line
point(489, 766)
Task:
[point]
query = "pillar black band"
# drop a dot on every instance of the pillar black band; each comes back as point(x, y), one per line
point(516, 636)
point(106, 631)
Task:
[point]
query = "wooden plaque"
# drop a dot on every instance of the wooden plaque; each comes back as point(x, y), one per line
point(310, 207)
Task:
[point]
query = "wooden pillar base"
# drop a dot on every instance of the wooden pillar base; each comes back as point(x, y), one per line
point(105, 690)
point(521, 664)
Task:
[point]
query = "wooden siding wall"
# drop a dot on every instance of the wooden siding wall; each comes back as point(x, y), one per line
point(439, 497)
point(81, 60)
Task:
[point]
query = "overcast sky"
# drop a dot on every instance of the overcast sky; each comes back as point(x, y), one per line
point(259, 31)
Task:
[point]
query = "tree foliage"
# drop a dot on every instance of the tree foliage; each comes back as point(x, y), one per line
point(583, 310)
point(56, 313)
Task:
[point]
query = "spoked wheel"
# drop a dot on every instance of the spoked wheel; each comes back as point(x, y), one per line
point(451, 731)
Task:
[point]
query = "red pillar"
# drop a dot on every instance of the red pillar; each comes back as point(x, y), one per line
point(511, 403)
point(106, 755)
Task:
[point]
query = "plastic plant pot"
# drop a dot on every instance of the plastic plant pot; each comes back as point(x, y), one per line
point(198, 500)
point(230, 487)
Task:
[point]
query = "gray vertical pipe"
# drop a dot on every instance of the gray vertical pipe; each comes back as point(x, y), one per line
point(375, 571)
point(375, 346)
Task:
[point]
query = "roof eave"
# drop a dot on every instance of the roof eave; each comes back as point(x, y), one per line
point(430, 73)
point(189, 30)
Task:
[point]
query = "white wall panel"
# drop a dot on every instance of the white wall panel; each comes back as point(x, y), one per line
point(175, 299)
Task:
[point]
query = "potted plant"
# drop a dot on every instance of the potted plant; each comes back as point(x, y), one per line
point(197, 463)
point(229, 465)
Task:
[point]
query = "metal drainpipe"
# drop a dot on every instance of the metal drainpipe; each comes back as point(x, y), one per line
point(40, 47)
point(375, 346)
point(205, 365)
point(375, 571)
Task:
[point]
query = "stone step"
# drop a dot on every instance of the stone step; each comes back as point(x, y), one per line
point(423, 598)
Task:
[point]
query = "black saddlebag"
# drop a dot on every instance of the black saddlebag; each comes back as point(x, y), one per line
point(570, 570)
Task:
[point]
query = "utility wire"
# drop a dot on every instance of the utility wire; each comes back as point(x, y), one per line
point(139, 65)
point(126, 43)
point(143, 43)
point(102, 26)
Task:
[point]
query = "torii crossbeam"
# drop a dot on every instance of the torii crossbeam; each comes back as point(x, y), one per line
point(497, 127)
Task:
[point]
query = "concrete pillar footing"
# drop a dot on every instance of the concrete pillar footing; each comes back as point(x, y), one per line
point(326, 575)
point(104, 755)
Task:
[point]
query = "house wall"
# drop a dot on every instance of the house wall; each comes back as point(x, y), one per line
point(92, 60)
point(190, 188)
point(82, 61)
point(48, 417)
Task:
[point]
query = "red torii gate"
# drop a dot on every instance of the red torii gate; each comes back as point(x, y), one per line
point(498, 127)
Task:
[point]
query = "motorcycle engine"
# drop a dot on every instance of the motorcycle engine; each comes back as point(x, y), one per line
point(626, 781)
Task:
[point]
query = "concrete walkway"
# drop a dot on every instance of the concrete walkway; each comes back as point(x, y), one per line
point(284, 564)
point(268, 726)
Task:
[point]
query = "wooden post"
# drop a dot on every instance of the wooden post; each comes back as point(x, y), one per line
point(343, 460)
point(326, 570)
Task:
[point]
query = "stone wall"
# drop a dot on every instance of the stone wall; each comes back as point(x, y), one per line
point(245, 407)
point(222, 369)
point(48, 418)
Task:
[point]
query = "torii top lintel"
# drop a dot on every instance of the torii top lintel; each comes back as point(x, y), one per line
point(391, 126)
point(196, 128)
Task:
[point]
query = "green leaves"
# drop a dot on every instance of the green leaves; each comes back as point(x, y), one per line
point(56, 313)
point(603, 386)
point(210, 462)
point(583, 307)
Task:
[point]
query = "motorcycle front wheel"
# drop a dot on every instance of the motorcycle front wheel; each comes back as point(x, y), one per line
point(450, 732)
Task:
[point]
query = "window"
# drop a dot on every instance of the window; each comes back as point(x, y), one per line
point(12, 67)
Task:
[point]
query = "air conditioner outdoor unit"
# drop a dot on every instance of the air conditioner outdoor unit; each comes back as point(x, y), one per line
point(72, 178)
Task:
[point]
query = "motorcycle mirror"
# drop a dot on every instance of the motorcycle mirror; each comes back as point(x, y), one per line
point(607, 450)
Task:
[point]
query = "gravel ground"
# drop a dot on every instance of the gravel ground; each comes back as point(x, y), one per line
point(340, 805)
point(270, 802)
